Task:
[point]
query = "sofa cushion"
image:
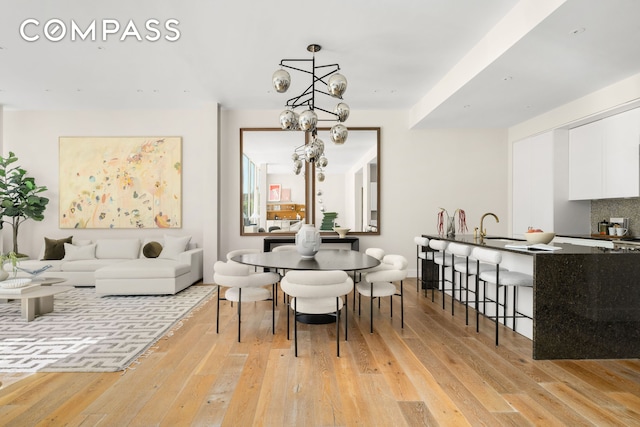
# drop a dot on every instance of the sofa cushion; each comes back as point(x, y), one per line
point(117, 248)
point(72, 252)
point(174, 246)
point(54, 248)
point(85, 265)
point(143, 269)
point(152, 249)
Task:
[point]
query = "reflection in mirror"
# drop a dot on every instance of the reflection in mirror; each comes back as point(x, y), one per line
point(273, 197)
point(348, 196)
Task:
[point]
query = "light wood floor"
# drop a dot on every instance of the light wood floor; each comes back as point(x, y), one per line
point(435, 371)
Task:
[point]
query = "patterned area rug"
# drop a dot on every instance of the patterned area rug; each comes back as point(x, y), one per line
point(87, 333)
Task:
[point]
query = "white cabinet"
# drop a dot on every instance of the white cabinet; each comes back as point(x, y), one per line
point(540, 187)
point(604, 158)
point(533, 183)
point(585, 161)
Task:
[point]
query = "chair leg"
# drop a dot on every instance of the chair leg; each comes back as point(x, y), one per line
point(478, 296)
point(218, 310)
point(442, 281)
point(239, 311)
point(346, 321)
point(371, 309)
point(515, 306)
point(497, 316)
point(401, 305)
point(288, 310)
point(295, 329)
point(338, 326)
point(274, 294)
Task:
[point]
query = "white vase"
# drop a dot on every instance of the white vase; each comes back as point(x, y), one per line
point(3, 274)
point(308, 241)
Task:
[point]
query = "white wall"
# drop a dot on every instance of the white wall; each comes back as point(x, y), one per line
point(33, 136)
point(421, 170)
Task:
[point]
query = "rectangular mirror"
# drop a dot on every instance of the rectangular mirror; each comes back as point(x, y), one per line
point(350, 189)
point(274, 200)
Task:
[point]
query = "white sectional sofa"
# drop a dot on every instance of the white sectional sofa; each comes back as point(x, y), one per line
point(120, 266)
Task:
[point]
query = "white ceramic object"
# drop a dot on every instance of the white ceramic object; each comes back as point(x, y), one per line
point(342, 231)
point(539, 237)
point(15, 283)
point(308, 241)
point(621, 231)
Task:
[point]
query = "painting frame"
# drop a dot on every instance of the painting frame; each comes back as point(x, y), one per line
point(275, 191)
point(120, 182)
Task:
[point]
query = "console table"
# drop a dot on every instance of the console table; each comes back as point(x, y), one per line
point(269, 242)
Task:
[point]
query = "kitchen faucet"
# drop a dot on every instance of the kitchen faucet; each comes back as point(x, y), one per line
point(483, 231)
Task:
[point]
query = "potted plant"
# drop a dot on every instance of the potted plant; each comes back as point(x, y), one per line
point(19, 197)
point(10, 256)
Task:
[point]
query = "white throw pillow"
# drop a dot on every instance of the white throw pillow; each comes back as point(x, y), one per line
point(80, 242)
point(73, 253)
point(174, 246)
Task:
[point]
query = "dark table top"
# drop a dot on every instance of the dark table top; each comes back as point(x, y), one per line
point(497, 242)
point(325, 259)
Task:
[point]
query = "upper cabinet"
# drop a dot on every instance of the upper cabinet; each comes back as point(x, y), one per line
point(604, 158)
point(540, 187)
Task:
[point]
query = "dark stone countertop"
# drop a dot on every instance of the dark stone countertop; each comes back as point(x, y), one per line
point(497, 242)
point(586, 300)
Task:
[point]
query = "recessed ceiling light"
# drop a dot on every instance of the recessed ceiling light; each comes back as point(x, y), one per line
point(187, 91)
point(156, 91)
point(78, 90)
point(578, 31)
point(47, 90)
point(101, 48)
point(139, 91)
point(467, 106)
point(507, 78)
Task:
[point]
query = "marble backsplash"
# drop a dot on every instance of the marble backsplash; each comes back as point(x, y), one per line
point(616, 208)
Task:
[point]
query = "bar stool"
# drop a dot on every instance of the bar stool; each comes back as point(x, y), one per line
point(422, 255)
point(501, 278)
point(444, 260)
point(467, 266)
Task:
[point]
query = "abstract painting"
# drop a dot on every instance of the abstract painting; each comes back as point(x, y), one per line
point(120, 182)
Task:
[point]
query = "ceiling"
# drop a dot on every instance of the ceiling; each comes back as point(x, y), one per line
point(449, 63)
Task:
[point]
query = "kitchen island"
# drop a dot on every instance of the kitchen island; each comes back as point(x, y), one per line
point(586, 300)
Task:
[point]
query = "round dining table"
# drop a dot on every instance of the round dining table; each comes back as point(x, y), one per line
point(325, 259)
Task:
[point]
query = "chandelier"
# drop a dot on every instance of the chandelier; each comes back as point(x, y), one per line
point(325, 80)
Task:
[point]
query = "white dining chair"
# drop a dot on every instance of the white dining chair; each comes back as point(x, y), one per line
point(243, 286)
point(317, 292)
point(381, 283)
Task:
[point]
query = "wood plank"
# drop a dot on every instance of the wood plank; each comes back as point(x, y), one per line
point(582, 405)
point(435, 371)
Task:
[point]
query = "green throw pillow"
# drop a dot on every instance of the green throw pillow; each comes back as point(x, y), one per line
point(54, 249)
point(152, 250)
